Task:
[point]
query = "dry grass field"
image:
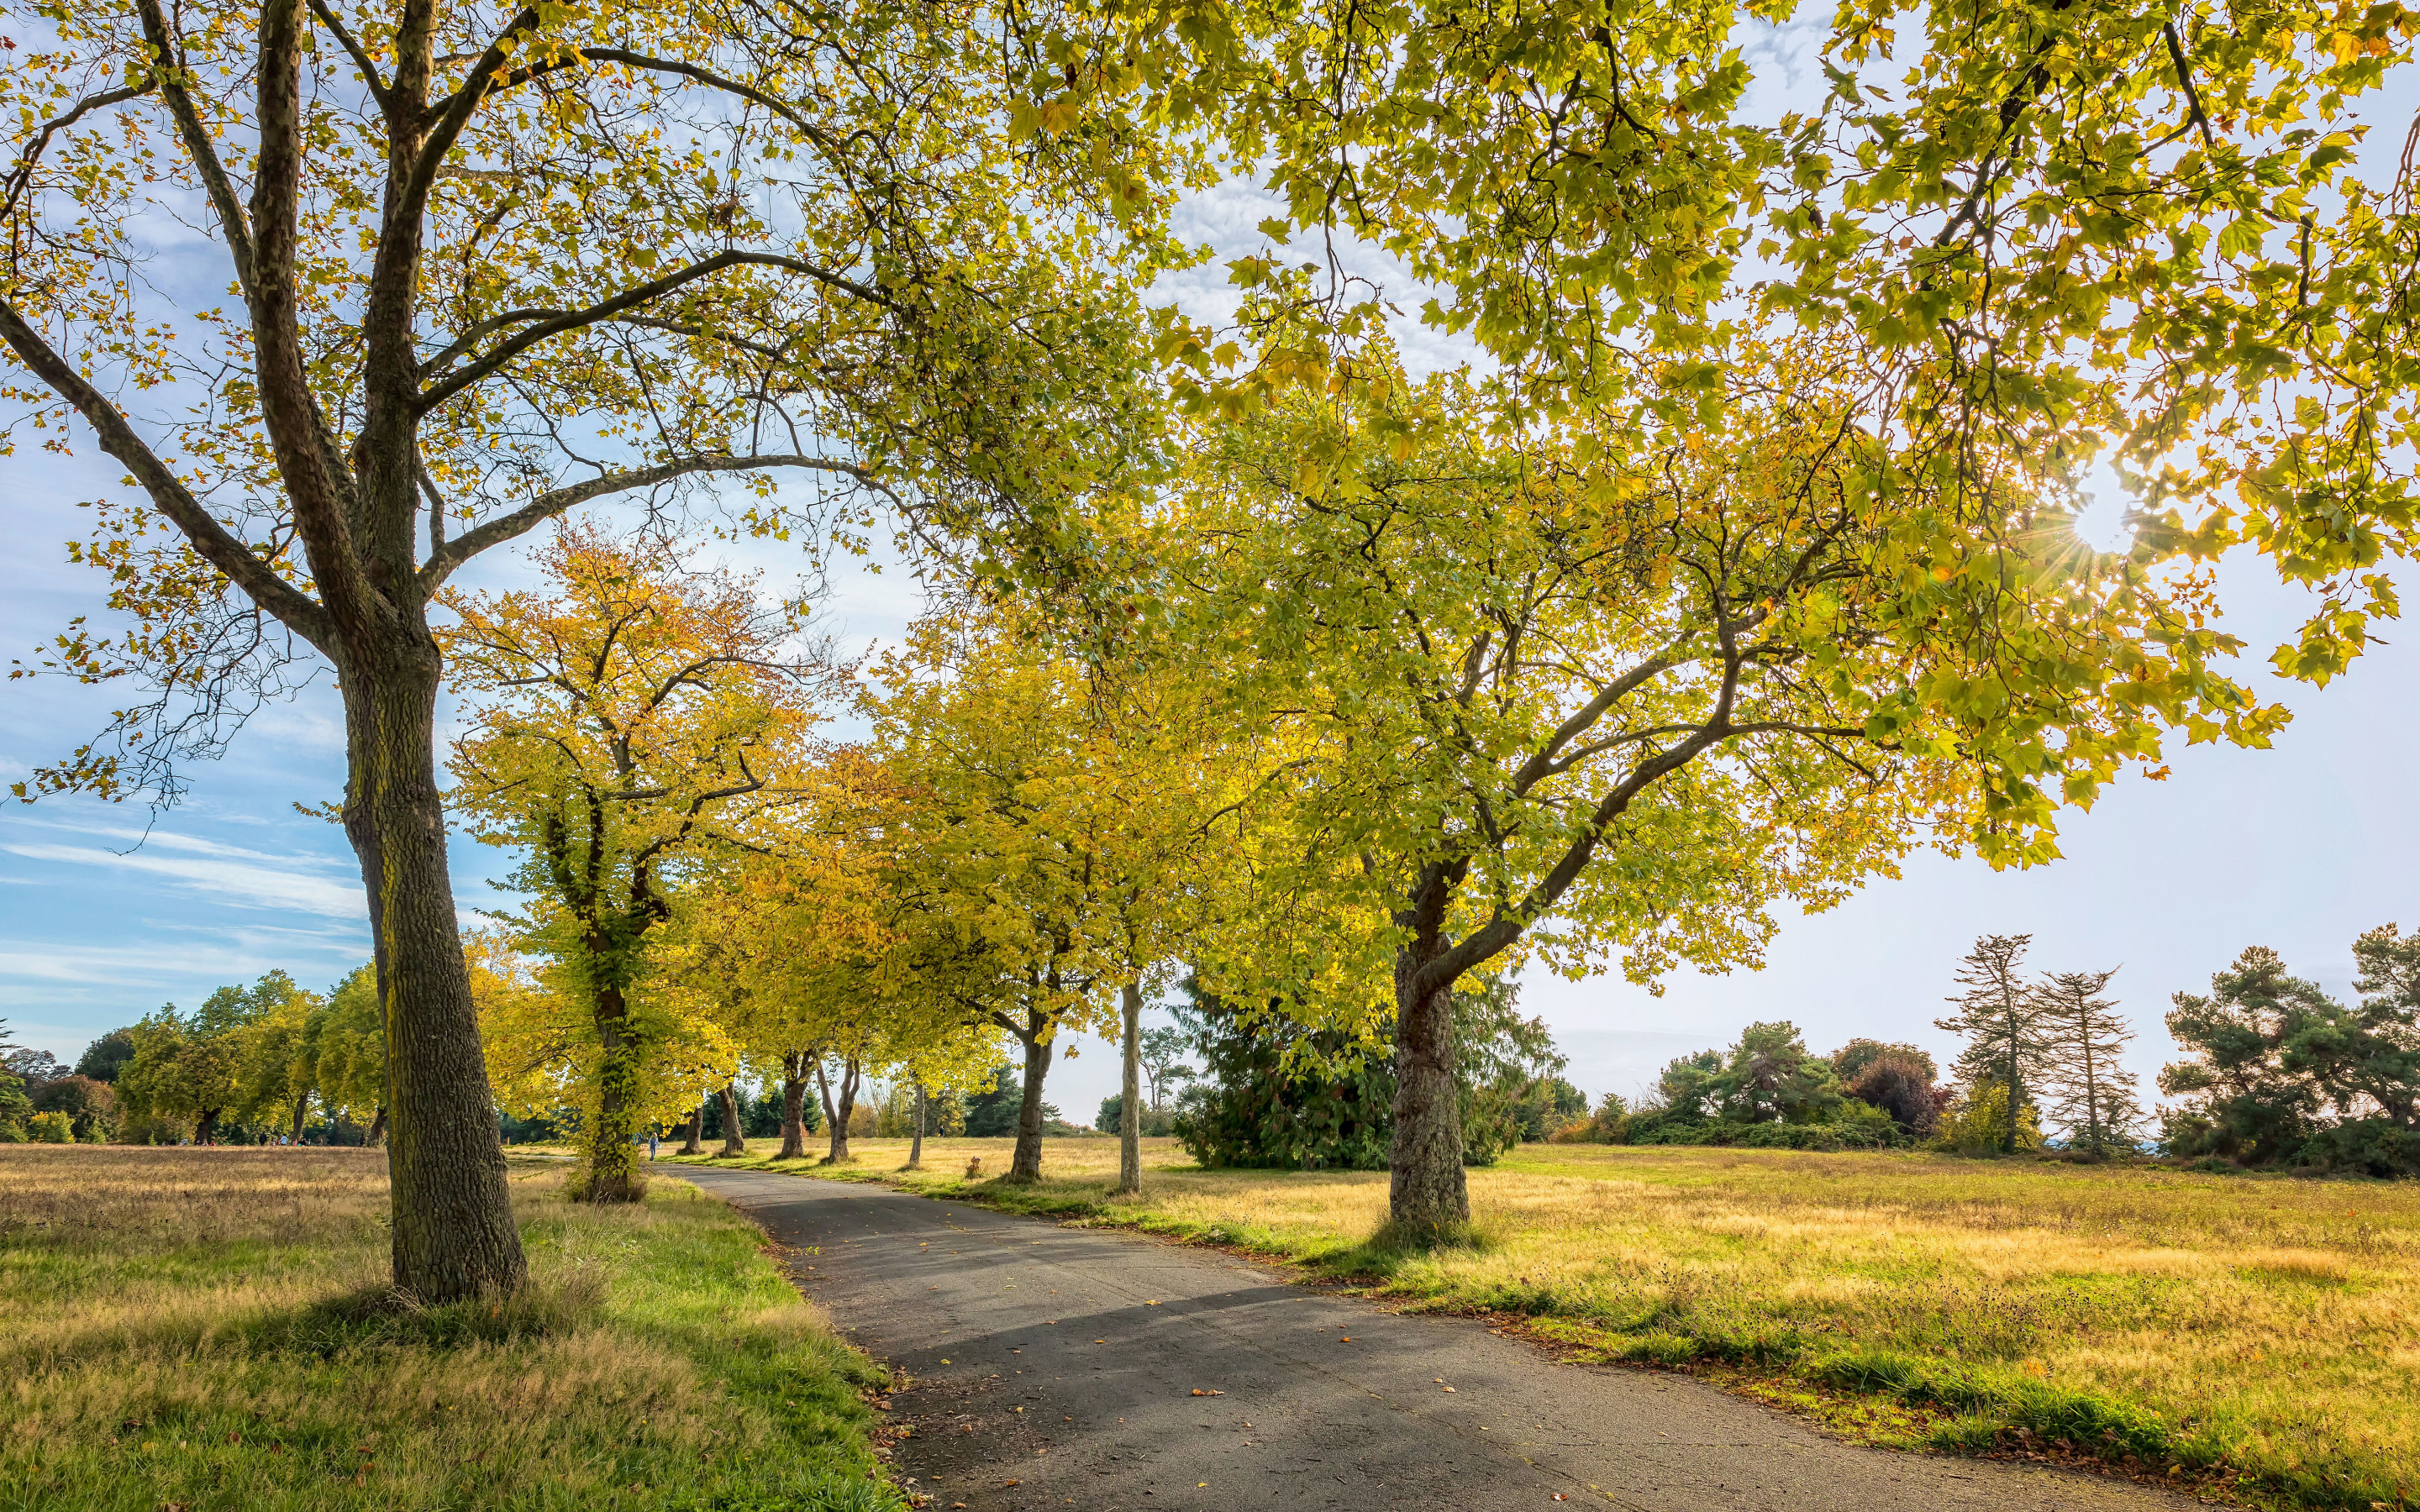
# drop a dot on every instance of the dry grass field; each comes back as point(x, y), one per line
point(2258, 1333)
point(208, 1330)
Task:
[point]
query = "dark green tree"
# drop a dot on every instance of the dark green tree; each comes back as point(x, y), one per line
point(2242, 1100)
point(106, 1056)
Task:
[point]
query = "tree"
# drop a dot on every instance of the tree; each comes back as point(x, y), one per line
point(491, 264)
point(995, 1109)
point(182, 1069)
point(637, 716)
point(1767, 1076)
point(347, 1044)
point(1162, 1047)
point(2022, 221)
point(274, 1070)
point(2280, 1073)
point(2235, 1074)
point(106, 1056)
point(2094, 1098)
point(2001, 1018)
point(1902, 1085)
point(1852, 1059)
point(1003, 852)
point(1768, 679)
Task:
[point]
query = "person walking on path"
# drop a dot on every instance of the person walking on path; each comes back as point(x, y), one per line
point(651, 1141)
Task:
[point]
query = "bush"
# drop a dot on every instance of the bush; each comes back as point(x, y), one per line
point(1609, 1125)
point(51, 1129)
point(1978, 1123)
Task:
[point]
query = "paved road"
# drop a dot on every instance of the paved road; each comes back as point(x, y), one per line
point(1057, 1366)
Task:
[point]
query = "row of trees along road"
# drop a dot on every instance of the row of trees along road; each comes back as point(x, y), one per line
point(1744, 564)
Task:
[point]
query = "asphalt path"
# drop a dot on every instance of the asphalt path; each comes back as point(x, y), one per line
point(1055, 1366)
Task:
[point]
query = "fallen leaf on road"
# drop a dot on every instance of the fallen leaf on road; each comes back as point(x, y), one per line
point(1006, 1484)
point(1151, 1303)
point(1199, 1392)
point(1558, 1496)
point(1449, 1388)
point(1345, 1338)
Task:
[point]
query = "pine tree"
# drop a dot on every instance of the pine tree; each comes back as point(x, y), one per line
point(2001, 1017)
point(2097, 1102)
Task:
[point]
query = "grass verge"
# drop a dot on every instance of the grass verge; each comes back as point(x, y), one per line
point(2258, 1338)
point(208, 1328)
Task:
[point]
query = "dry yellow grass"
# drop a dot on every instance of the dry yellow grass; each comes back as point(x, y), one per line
point(206, 1328)
point(2269, 1323)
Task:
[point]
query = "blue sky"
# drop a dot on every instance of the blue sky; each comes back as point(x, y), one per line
point(2299, 848)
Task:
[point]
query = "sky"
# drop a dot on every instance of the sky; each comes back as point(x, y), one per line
point(107, 912)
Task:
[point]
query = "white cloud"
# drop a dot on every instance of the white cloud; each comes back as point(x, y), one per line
point(227, 881)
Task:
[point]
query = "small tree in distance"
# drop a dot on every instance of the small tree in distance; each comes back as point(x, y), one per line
point(2097, 1102)
point(2001, 1017)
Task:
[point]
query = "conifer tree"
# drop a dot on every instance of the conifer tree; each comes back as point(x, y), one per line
point(2096, 1098)
point(2001, 1017)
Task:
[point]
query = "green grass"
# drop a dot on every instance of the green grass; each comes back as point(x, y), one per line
point(205, 1329)
point(2258, 1335)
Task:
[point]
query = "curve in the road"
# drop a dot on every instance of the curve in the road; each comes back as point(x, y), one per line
point(1057, 1368)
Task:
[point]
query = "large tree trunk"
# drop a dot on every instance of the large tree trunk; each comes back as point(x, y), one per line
point(612, 1155)
point(1426, 1191)
point(794, 1108)
point(302, 1104)
point(836, 1113)
point(376, 1134)
point(695, 1143)
point(734, 1142)
point(452, 1214)
point(1026, 1165)
point(1130, 1110)
point(916, 1139)
point(206, 1126)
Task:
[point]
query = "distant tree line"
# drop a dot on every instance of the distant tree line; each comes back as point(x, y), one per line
point(2032, 1046)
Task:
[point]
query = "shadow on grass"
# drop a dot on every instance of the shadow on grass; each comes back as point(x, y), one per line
point(383, 1318)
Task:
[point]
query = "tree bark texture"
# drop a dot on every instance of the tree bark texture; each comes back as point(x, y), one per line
point(794, 1108)
point(454, 1235)
point(734, 1142)
point(612, 1154)
point(1427, 1191)
point(694, 1144)
point(1026, 1165)
point(1130, 1109)
point(837, 1111)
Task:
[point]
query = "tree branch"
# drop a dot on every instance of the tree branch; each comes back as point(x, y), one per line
point(361, 60)
point(556, 323)
point(196, 137)
point(547, 505)
point(33, 155)
point(234, 561)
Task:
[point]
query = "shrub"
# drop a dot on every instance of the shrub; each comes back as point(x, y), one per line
point(51, 1129)
point(1609, 1125)
point(1978, 1123)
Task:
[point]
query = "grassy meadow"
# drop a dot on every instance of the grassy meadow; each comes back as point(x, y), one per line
point(208, 1330)
point(2261, 1335)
